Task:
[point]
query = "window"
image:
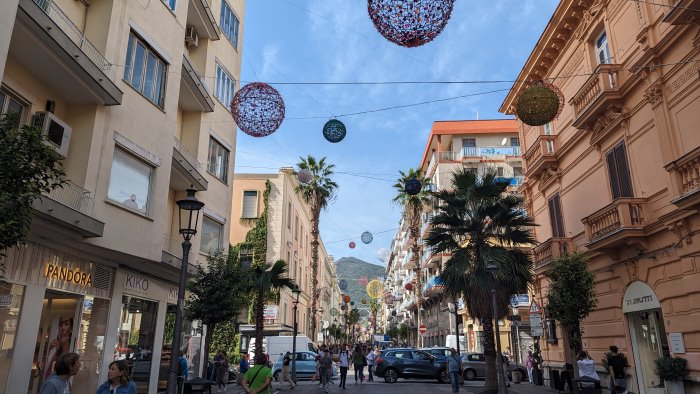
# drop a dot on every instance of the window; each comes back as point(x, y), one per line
point(602, 53)
point(170, 3)
point(555, 217)
point(11, 105)
point(12, 296)
point(547, 128)
point(289, 215)
point(250, 204)
point(296, 227)
point(212, 235)
point(130, 182)
point(469, 143)
point(136, 329)
point(229, 24)
point(225, 86)
point(217, 163)
point(145, 70)
point(514, 141)
point(618, 170)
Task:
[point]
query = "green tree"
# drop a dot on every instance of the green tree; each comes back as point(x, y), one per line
point(226, 337)
point(412, 208)
point(317, 193)
point(570, 299)
point(478, 222)
point(28, 168)
point(374, 307)
point(268, 280)
point(218, 292)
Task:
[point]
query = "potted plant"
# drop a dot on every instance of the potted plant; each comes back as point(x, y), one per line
point(672, 370)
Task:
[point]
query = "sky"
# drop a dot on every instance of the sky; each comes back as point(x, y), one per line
point(302, 41)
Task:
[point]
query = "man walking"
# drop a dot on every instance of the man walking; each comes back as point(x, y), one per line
point(285, 371)
point(454, 365)
point(344, 363)
point(616, 368)
point(370, 364)
point(326, 369)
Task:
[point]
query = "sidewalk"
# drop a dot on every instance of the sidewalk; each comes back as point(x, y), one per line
point(529, 388)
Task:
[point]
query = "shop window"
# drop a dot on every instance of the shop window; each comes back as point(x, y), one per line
point(212, 235)
point(10, 310)
point(89, 344)
point(618, 171)
point(189, 344)
point(217, 163)
point(135, 341)
point(130, 182)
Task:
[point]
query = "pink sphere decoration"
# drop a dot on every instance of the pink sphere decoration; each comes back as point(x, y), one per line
point(409, 286)
point(351, 245)
point(410, 23)
point(258, 109)
point(362, 281)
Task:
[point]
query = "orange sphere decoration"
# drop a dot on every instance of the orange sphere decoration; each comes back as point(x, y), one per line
point(346, 299)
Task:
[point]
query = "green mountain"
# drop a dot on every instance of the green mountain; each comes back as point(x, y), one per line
point(351, 270)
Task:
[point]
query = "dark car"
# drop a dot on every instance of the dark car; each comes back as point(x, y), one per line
point(474, 366)
point(440, 352)
point(392, 364)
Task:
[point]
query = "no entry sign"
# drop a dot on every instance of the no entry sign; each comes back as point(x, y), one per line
point(422, 329)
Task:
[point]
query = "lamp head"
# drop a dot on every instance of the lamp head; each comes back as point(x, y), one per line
point(491, 267)
point(189, 214)
point(297, 292)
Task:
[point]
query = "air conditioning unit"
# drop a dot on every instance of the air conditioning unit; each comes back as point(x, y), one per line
point(56, 131)
point(191, 37)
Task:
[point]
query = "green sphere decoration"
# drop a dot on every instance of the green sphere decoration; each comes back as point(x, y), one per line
point(539, 104)
point(334, 131)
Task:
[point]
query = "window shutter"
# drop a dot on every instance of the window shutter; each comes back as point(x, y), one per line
point(555, 217)
point(612, 172)
point(250, 204)
point(623, 173)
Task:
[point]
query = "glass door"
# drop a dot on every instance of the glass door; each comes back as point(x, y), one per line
point(649, 343)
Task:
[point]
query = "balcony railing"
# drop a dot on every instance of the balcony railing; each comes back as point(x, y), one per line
point(541, 154)
point(621, 215)
point(74, 197)
point(552, 249)
point(448, 156)
point(597, 93)
point(433, 286)
point(77, 36)
point(687, 172)
point(490, 151)
point(431, 165)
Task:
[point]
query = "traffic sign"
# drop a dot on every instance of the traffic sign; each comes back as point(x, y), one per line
point(422, 329)
point(536, 325)
point(534, 308)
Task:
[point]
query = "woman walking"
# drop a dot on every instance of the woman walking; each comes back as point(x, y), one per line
point(222, 372)
point(358, 363)
point(371, 356)
point(118, 381)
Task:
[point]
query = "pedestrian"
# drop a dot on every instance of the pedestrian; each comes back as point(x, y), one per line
point(118, 381)
point(616, 368)
point(243, 367)
point(221, 372)
point(285, 370)
point(586, 368)
point(504, 364)
point(326, 369)
point(344, 363)
point(182, 370)
point(215, 366)
point(529, 363)
point(66, 365)
point(454, 366)
point(259, 378)
point(358, 363)
point(370, 365)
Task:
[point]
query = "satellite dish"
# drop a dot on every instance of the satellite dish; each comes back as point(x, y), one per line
point(504, 141)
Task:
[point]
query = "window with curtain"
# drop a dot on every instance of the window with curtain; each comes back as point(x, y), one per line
point(229, 23)
point(217, 163)
point(225, 87)
point(145, 71)
point(130, 182)
point(212, 236)
point(618, 171)
point(250, 204)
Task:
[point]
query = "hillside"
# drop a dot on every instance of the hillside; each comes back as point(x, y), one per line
point(351, 269)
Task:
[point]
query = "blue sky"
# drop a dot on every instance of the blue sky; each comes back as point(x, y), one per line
point(335, 41)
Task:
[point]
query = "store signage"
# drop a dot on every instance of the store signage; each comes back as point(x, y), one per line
point(677, 342)
point(66, 274)
point(270, 312)
point(519, 300)
point(639, 297)
point(136, 284)
point(6, 300)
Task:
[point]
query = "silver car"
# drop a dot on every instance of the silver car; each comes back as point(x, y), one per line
point(474, 366)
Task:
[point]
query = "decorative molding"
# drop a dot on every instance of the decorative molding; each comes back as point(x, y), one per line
point(690, 73)
point(631, 266)
point(682, 231)
point(653, 94)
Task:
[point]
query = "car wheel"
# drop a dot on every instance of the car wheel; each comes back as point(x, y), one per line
point(276, 376)
point(469, 374)
point(391, 375)
point(444, 376)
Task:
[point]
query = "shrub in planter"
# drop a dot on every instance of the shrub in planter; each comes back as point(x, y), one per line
point(672, 369)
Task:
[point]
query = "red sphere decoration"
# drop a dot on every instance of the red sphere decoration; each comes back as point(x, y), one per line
point(351, 245)
point(410, 23)
point(346, 299)
point(409, 286)
point(258, 109)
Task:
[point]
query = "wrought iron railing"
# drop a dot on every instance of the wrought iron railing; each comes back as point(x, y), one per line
point(490, 151)
point(74, 197)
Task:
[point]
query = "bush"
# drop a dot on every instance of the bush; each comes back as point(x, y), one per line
point(673, 369)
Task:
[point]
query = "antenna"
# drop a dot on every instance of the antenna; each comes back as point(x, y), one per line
point(477, 115)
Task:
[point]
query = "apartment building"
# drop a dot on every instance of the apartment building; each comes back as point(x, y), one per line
point(288, 239)
point(398, 274)
point(615, 176)
point(134, 95)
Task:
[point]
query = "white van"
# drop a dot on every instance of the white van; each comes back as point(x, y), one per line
point(450, 341)
point(275, 345)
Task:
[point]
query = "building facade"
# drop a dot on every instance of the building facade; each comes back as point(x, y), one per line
point(615, 176)
point(134, 96)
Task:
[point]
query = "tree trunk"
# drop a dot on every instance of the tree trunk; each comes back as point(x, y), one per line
point(207, 345)
point(316, 212)
point(572, 346)
point(414, 229)
point(259, 323)
point(491, 382)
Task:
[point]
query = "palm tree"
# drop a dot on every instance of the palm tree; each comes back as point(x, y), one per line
point(268, 280)
point(412, 208)
point(478, 222)
point(317, 194)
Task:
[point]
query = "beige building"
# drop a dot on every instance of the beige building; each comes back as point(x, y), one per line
point(288, 239)
point(134, 95)
point(615, 176)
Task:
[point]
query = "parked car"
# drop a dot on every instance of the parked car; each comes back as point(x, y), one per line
point(474, 366)
point(306, 366)
point(407, 363)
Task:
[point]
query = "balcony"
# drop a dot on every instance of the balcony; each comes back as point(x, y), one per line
point(471, 154)
point(597, 95)
point(541, 155)
point(552, 249)
point(683, 12)
point(201, 17)
point(51, 48)
point(618, 223)
point(433, 287)
point(172, 255)
point(194, 94)
point(70, 206)
point(687, 172)
point(186, 171)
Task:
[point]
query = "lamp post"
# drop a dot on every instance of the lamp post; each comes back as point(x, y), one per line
point(297, 293)
point(453, 309)
point(492, 269)
point(335, 330)
point(323, 329)
point(189, 208)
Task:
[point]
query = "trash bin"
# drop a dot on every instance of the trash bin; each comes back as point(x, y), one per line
point(198, 386)
point(516, 376)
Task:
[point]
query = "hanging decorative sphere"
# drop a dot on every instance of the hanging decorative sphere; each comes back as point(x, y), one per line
point(334, 131)
point(352, 303)
point(383, 255)
point(367, 237)
point(375, 289)
point(346, 299)
point(334, 312)
point(304, 176)
point(351, 245)
point(539, 104)
point(343, 307)
point(343, 284)
point(409, 286)
point(410, 23)
point(363, 281)
point(393, 313)
point(258, 109)
point(364, 300)
point(413, 187)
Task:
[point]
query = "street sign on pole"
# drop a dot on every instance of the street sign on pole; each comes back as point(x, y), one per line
point(536, 324)
point(534, 308)
point(422, 329)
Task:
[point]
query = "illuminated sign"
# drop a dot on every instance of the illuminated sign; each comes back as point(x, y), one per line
point(65, 274)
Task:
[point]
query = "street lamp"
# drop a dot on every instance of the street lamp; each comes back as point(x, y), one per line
point(492, 268)
point(297, 293)
point(453, 309)
point(323, 329)
point(188, 219)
